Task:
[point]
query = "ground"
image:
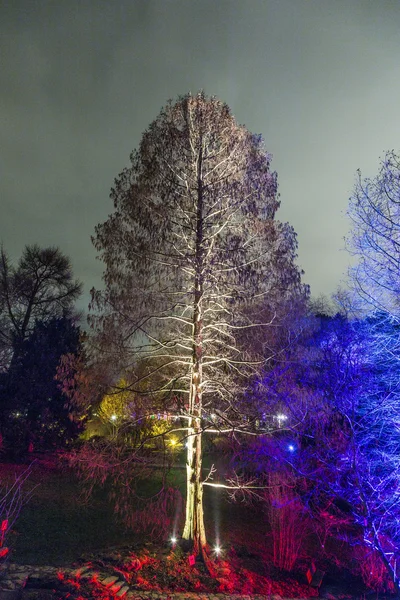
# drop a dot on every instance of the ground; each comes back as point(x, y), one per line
point(86, 545)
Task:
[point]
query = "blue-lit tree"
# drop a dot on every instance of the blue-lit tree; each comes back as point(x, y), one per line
point(338, 444)
point(368, 466)
point(374, 210)
point(352, 452)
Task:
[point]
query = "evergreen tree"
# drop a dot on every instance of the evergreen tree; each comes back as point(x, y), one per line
point(39, 416)
point(197, 270)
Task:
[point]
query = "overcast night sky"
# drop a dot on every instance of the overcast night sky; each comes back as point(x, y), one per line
point(81, 80)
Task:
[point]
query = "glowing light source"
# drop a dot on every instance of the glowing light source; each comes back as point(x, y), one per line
point(291, 448)
point(113, 417)
point(217, 550)
point(173, 540)
point(173, 442)
point(281, 418)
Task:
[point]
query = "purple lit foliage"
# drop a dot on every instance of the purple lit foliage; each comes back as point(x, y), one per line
point(340, 442)
point(354, 449)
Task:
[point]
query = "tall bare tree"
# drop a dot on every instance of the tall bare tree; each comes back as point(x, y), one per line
point(374, 210)
point(197, 269)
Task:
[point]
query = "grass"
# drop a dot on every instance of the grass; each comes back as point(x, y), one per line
point(56, 526)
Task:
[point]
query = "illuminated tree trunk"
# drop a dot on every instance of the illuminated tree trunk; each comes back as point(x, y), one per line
point(194, 530)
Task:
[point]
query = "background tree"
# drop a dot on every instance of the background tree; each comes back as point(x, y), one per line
point(363, 437)
point(375, 241)
point(40, 288)
point(374, 210)
point(196, 268)
point(40, 415)
point(345, 452)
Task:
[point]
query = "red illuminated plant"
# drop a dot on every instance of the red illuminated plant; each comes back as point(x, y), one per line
point(12, 499)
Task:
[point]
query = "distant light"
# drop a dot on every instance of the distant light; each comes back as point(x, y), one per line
point(281, 417)
point(172, 441)
point(291, 448)
point(174, 540)
point(217, 550)
point(113, 417)
point(187, 444)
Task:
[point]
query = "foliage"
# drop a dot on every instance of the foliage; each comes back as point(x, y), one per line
point(338, 396)
point(37, 292)
point(287, 518)
point(150, 569)
point(115, 405)
point(140, 493)
point(39, 416)
point(352, 450)
point(82, 378)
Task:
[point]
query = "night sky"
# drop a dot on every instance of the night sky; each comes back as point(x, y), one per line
point(81, 80)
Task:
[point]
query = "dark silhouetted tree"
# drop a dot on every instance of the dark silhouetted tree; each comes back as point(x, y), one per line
point(38, 289)
point(40, 413)
point(41, 287)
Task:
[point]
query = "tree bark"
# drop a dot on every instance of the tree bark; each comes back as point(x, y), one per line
point(194, 530)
